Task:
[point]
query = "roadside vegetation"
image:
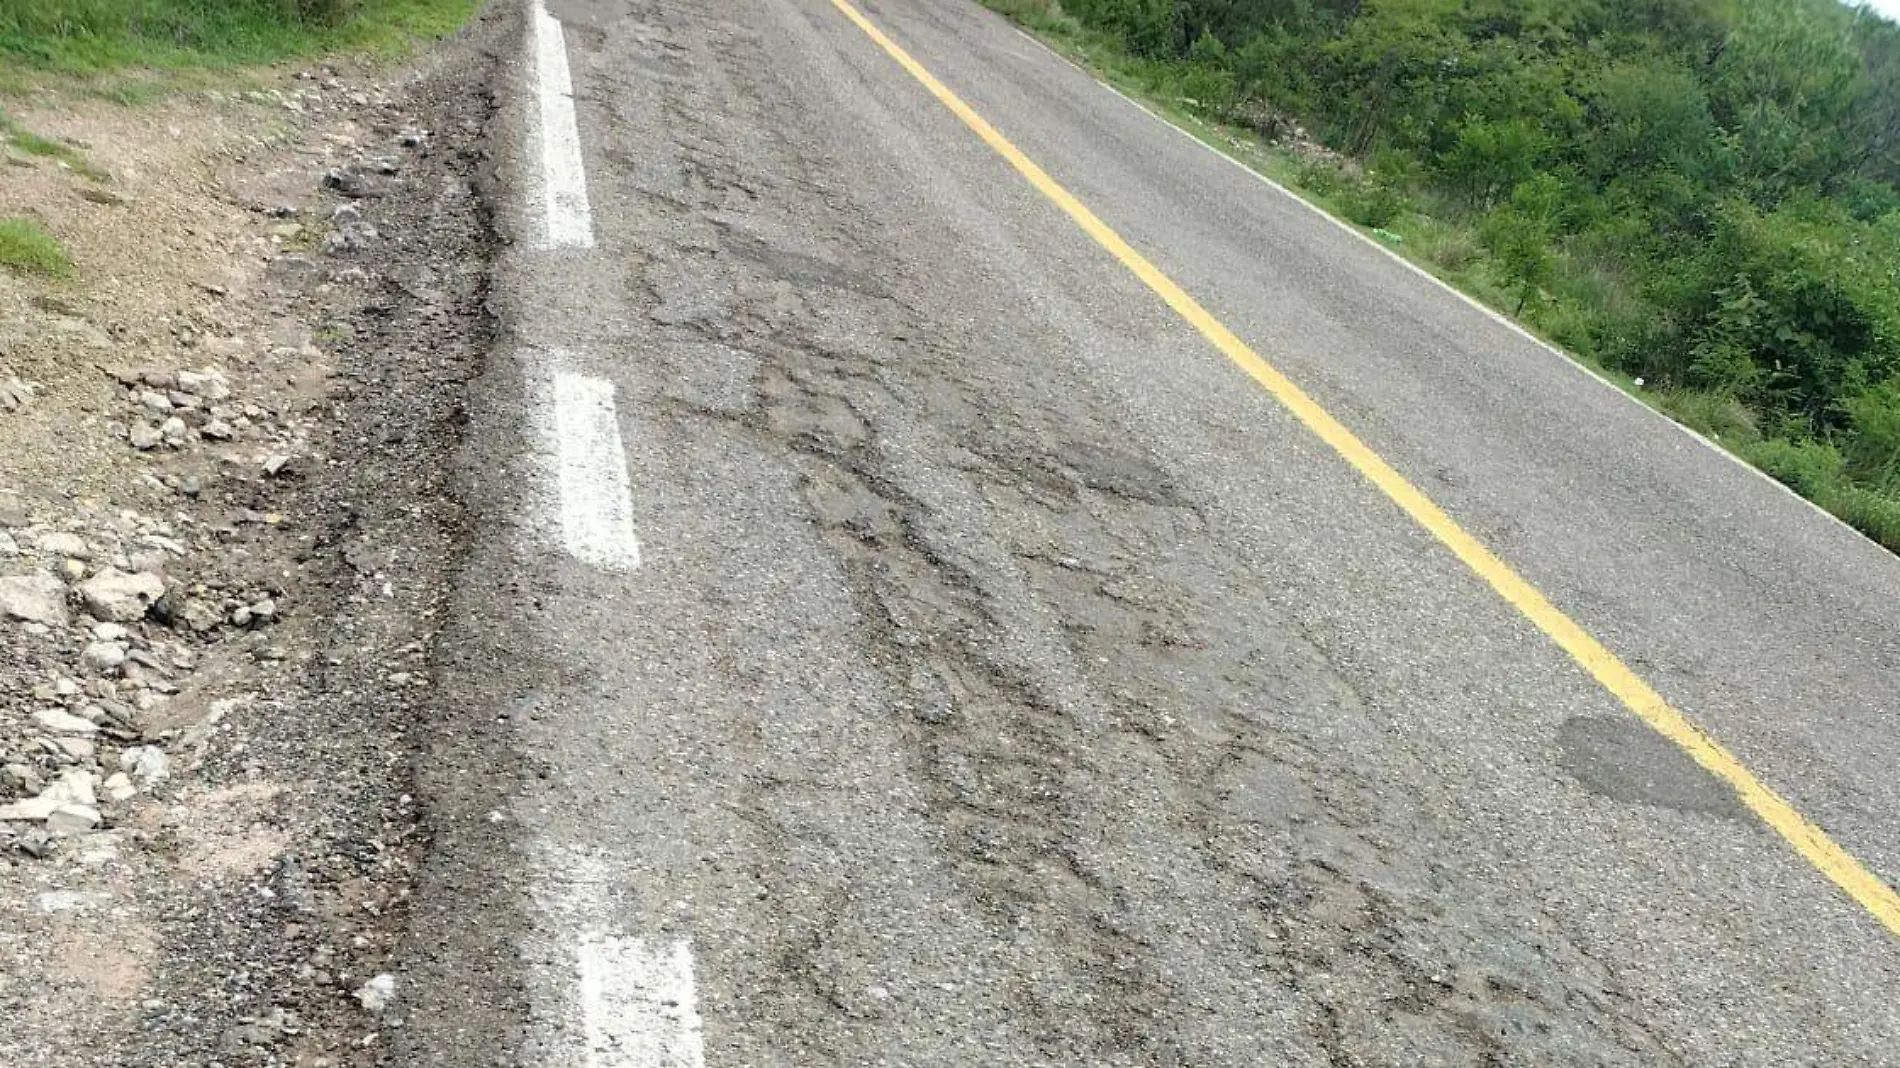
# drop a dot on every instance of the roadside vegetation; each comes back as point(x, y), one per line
point(25, 247)
point(85, 37)
point(29, 143)
point(1699, 197)
point(129, 49)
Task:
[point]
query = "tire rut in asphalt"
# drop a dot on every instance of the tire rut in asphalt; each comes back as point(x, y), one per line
point(1104, 641)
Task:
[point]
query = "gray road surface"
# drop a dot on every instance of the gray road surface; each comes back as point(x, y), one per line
point(1008, 680)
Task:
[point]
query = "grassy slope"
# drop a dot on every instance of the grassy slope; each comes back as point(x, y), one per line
point(99, 42)
point(1452, 251)
point(89, 37)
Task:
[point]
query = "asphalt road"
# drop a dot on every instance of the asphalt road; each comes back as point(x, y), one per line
point(1007, 679)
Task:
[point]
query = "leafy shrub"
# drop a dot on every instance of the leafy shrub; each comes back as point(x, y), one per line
point(1320, 177)
point(1148, 28)
point(1488, 159)
point(1204, 87)
point(1519, 236)
point(1791, 309)
point(1373, 201)
point(1873, 444)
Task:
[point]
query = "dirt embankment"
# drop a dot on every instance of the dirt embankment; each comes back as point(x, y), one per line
point(224, 530)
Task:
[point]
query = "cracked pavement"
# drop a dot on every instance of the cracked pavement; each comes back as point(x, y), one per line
point(1008, 681)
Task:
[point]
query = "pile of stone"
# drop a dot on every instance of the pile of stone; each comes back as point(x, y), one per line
point(96, 617)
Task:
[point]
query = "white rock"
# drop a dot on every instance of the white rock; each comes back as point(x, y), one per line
point(119, 788)
point(102, 657)
point(8, 547)
point(200, 615)
point(207, 384)
point(60, 721)
point(145, 437)
point(113, 596)
point(379, 993)
point(77, 748)
point(110, 632)
point(145, 560)
point(155, 401)
point(73, 788)
point(147, 764)
point(76, 787)
point(73, 819)
point(97, 849)
point(173, 430)
point(31, 810)
point(55, 901)
point(61, 543)
point(33, 599)
point(161, 542)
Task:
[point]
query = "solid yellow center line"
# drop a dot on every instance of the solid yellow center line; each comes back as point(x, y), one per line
point(1808, 839)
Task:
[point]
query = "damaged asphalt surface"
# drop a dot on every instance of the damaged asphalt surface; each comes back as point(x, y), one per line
point(1005, 679)
point(1008, 681)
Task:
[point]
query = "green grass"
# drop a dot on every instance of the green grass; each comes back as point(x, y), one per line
point(33, 144)
point(86, 37)
point(26, 248)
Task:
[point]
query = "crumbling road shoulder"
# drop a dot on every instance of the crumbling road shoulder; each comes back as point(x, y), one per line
point(225, 533)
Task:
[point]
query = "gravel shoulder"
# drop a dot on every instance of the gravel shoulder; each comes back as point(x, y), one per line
point(225, 526)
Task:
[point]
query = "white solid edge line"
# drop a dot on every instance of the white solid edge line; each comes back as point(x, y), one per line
point(568, 221)
point(639, 1007)
point(596, 494)
point(1494, 315)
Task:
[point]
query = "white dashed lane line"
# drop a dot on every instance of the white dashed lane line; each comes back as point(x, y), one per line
point(639, 1008)
point(567, 220)
point(623, 1002)
point(591, 465)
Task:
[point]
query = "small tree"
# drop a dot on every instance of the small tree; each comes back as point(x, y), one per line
point(1520, 233)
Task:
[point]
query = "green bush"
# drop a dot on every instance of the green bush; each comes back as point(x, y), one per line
point(1149, 28)
point(1809, 467)
point(1873, 441)
point(1373, 202)
point(1320, 177)
point(1487, 160)
point(1793, 310)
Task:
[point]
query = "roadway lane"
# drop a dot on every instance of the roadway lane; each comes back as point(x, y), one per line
point(1006, 679)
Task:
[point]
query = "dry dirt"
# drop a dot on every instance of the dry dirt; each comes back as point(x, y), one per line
point(295, 275)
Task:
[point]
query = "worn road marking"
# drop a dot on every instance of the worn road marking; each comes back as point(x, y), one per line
point(1808, 839)
point(596, 498)
point(639, 1008)
point(567, 220)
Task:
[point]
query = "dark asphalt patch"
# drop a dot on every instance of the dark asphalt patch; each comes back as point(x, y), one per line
point(1624, 760)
